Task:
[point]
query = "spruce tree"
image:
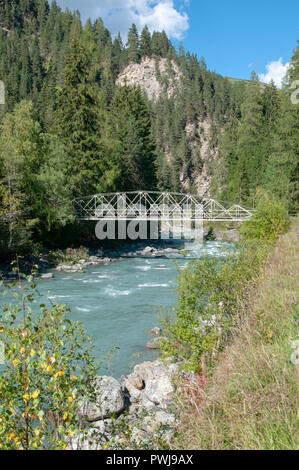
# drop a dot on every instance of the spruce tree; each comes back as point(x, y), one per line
point(145, 43)
point(282, 175)
point(133, 44)
point(77, 123)
point(132, 129)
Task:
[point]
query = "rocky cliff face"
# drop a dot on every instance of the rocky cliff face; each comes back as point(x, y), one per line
point(155, 76)
point(201, 176)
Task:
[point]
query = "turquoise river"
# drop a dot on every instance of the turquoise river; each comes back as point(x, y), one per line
point(119, 303)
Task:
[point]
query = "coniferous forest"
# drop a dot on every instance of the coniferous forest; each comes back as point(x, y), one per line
point(68, 130)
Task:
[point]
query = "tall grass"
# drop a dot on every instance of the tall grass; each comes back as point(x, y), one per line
point(251, 397)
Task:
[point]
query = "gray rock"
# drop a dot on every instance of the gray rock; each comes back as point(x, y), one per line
point(139, 437)
point(94, 259)
point(74, 268)
point(156, 331)
point(141, 404)
point(159, 420)
point(91, 440)
point(158, 384)
point(227, 235)
point(171, 250)
point(154, 343)
point(148, 250)
point(47, 276)
point(110, 400)
point(135, 395)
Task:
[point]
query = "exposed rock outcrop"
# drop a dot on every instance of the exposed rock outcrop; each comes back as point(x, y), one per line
point(155, 76)
point(152, 76)
point(110, 400)
point(147, 397)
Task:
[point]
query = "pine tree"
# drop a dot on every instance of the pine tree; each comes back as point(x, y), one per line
point(133, 44)
point(78, 125)
point(21, 155)
point(145, 43)
point(132, 129)
point(282, 175)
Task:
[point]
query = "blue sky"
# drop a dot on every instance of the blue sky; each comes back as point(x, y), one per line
point(234, 36)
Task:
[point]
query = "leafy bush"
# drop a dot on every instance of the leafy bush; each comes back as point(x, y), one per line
point(73, 255)
point(49, 369)
point(70, 256)
point(210, 292)
point(269, 220)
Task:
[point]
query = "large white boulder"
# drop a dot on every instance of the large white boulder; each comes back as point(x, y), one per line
point(109, 400)
point(158, 381)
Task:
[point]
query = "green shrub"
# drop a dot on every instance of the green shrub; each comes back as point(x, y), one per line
point(49, 368)
point(269, 220)
point(69, 256)
point(210, 292)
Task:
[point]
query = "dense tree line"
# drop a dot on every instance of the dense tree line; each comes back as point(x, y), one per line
point(260, 145)
point(67, 130)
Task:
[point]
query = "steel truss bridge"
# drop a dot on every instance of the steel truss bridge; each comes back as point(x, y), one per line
point(153, 206)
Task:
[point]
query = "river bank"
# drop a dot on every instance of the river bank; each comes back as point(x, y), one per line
point(138, 411)
point(80, 258)
point(250, 398)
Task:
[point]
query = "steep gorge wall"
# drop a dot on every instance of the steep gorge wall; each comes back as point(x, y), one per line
point(160, 76)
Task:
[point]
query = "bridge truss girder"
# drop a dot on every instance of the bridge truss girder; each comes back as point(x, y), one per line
point(151, 205)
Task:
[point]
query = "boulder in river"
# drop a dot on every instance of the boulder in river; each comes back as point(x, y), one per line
point(171, 250)
point(154, 343)
point(70, 268)
point(47, 276)
point(94, 260)
point(147, 250)
point(155, 331)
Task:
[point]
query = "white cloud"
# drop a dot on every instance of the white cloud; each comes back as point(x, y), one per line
point(276, 71)
point(119, 15)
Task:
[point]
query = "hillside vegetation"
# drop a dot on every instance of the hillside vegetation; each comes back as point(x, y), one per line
point(249, 399)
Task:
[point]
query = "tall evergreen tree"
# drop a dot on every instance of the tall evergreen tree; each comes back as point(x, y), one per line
point(282, 175)
point(21, 155)
point(133, 44)
point(132, 129)
point(145, 43)
point(77, 123)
